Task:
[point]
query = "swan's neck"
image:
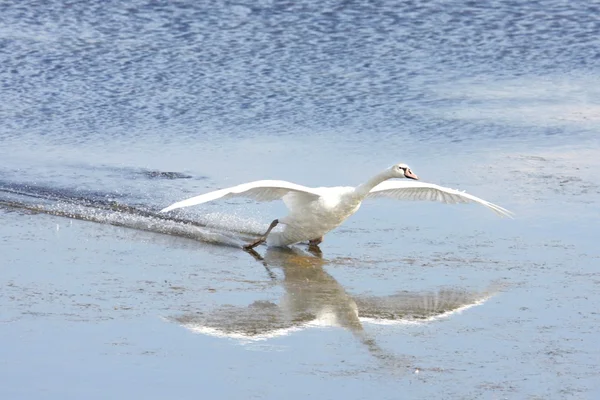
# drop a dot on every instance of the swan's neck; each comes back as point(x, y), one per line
point(364, 189)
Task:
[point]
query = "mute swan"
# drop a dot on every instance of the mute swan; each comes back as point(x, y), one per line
point(316, 211)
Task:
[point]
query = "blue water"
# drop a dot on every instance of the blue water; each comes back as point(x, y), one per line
point(100, 69)
point(110, 111)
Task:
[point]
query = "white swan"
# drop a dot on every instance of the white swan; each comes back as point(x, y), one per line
point(316, 211)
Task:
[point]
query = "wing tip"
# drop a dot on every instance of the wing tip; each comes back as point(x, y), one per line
point(502, 212)
point(166, 209)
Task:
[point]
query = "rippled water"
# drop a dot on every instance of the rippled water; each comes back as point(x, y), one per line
point(106, 68)
point(112, 110)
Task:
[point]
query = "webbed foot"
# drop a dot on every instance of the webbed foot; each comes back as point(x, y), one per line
point(315, 242)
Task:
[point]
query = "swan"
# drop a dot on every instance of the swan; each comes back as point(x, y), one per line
point(316, 211)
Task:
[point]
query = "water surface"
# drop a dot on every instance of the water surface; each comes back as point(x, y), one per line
point(111, 111)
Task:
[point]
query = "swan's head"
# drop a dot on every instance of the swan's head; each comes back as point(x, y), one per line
point(402, 171)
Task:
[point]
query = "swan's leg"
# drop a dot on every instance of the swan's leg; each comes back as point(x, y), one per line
point(263, 238)
point(315, 242)
point(315, 250)
point(313, 246)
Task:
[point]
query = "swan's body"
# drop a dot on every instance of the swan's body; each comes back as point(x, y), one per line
point(311, 220)
point(316, 211)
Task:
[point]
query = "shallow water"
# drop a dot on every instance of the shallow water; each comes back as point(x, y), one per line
point(111, 111)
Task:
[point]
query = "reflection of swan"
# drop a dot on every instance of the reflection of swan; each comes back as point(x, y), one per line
point(314, 298)
point(316, 211)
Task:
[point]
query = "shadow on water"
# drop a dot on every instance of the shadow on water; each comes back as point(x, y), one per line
point(314, 298)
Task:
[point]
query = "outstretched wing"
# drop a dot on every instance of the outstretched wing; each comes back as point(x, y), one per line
point(258, 190)
point(414, 190)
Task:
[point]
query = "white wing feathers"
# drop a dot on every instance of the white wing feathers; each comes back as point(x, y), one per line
point(414, 190)
point(259, 190)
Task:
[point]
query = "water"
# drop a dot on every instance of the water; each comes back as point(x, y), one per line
point(111, 111)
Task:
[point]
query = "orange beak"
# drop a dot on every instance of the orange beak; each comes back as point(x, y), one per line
point(409, 174)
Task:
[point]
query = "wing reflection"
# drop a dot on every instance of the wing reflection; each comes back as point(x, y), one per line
point(314, 298)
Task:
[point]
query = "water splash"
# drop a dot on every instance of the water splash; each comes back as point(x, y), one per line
point(106, 208)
